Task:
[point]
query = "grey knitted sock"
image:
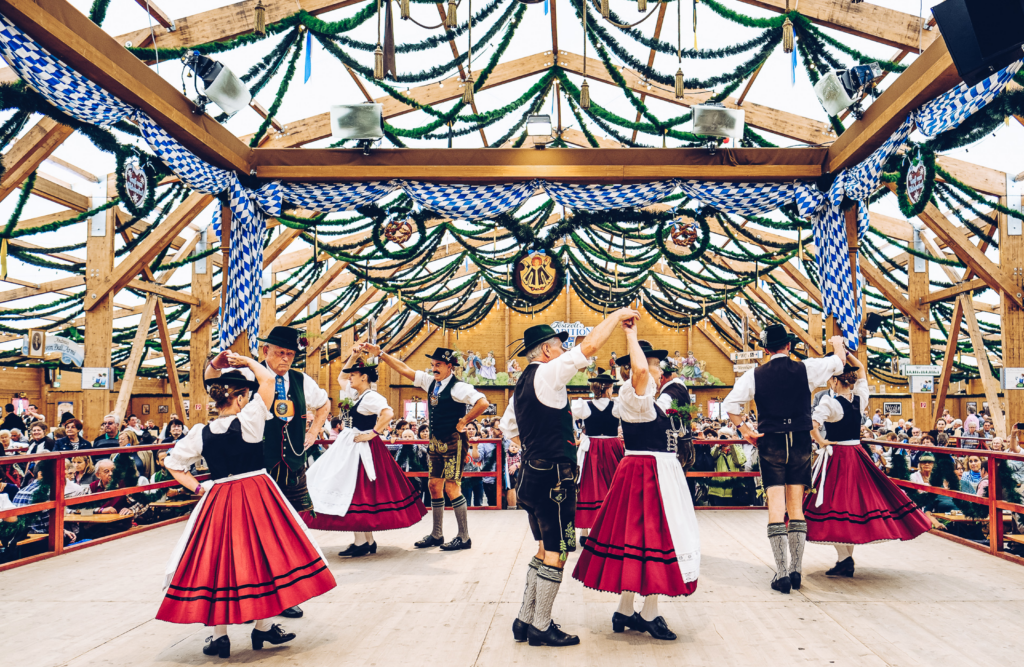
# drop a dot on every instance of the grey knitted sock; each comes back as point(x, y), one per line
point(437, 507)
point(797, 540)
point(462, 516)
point(780, 547)
point(548, 580)
point(530, 594)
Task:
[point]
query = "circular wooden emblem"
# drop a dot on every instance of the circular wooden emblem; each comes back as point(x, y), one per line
point(136, 183)
point(537, 275)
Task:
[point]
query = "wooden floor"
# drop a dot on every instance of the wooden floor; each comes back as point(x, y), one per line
point(926, 602)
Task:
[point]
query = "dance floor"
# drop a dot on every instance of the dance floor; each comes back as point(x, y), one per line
point(926, 602)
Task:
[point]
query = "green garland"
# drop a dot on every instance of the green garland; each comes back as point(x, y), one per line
point(909, 209)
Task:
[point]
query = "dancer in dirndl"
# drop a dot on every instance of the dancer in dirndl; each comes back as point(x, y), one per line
point(599, 452)
point(853, 502)
point(357, 485)
point(645, 539)
point(245, 554)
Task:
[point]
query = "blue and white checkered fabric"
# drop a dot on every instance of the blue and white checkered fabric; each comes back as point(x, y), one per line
point(469, 202)
point(607, 197)
point(242, 310)
point(748, 198)
point(834, 265)
point(65, 88)
point(192, 170)
point(952, 108)
point(325, 197)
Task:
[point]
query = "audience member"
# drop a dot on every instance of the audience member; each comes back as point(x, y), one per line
point(108, 435)
point(11, 420)
point(83, 472)
point(72, 439)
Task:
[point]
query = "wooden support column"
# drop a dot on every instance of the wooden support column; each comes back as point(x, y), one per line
point(814, 329)
point(268, 306)
point(920, 338)
point(99, 321)
point(313, 366)
point(164, 331)
point(135, 358)
point(1011, 260)
point(200, 338)
point(989, 383)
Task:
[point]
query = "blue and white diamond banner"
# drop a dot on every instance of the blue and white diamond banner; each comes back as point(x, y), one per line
point(607, 197)
point(469, 202)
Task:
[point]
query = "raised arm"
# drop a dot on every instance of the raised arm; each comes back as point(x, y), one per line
point(603, 331)
point(264, 376)
point(852, 360)
point(343, 376)
point(403, 369)
point(637, 358)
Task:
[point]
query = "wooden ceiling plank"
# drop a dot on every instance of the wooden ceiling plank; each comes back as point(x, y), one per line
point(30, 151)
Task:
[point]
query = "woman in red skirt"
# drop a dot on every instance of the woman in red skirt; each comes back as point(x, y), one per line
point(852, 501)
point(645, 539)
point(245, 554)
point(599, 452)
point(357, 485)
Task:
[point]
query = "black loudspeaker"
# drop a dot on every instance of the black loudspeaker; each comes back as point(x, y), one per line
point(873, 321)
point(983, 36)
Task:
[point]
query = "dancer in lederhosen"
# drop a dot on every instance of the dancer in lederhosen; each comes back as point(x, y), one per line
point(357, 485)
point(645, 539)
point(245, 554)
point(853, 502)
point(599, 452)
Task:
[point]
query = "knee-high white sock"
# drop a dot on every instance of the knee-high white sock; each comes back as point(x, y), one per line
point(461, 517)
point(626, 603)
point(649, 612)
point(548, 580)
point(779, 538)
point(530, 593)
point(797, 540)
point(359, 539)
point(437, 509)
point(264, 625)
point(843, 551)
point(583, 532)
point(219, 631)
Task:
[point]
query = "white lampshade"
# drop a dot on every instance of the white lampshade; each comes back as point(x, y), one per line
point(538, 126)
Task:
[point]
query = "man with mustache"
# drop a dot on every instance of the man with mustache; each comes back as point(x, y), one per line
point(447, 418)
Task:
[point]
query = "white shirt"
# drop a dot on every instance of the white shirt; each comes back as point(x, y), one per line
point(917, 478)
point(818, 373)
point(507, 423)
point(637, 408)
point(315, 396)
point(664, 400)
point(462, 392)
point(189, 450)
point(581, 407)
point(372, 403)
point(831, 410)
point(549, 385)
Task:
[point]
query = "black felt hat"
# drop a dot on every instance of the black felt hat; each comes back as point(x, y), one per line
point(233, 379)
point(648, 350)
point(602, 377)
point(775, 336)
point(65, 418)
point(285, 337)
point(534, 336)
point(360, 365)
point(445, 355)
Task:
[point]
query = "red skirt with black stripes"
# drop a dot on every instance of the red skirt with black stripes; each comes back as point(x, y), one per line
point(860, 504)
point(599, 466)
point(630, 546)
point(247, 558)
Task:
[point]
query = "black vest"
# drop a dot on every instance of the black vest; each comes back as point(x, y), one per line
point(782, 396)
point(649, 436)
point(443, 412)
point(601, 424)
point(275, 448)
point(847, 428)
point(229, 454)
point(546, 432)
point(678, 392)
point(361, 422)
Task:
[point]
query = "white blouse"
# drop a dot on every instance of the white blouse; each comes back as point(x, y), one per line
point(581, 407)
point(189, 450)
point(372, 403)
point(637, 408)
point(831, 410)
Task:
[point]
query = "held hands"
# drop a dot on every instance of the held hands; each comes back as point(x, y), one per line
point(220, 362)
point(364, 437)
point(839, 346)
point(236, 360)
point(374, 350)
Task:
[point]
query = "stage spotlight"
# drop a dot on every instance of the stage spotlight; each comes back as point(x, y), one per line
point(363, 122)
point(538, 128)
point(843, 89)
point(220, 85)
point(717, 122)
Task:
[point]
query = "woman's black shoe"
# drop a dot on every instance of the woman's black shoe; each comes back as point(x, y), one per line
point(292, 612)
point(429, 541)
point(275, 635)
point(620, 622)
point(356, 550)
point(220, 646)
point(782, 585)
point(373, 547)
point(456, 544)
point(794, 580)
point(520, 630)
point(553, 636)
point(656, 628)
point(843, 568)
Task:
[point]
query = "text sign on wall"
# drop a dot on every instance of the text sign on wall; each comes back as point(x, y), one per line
point(575, 330)
point(893, 409)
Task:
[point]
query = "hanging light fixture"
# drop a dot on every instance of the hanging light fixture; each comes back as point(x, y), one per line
point(680, 81)
point(467, 94)
point(605, 9)
point(378, 53)
point(585, 88)
point(404, 7)
point(641, 5)
point(451, 20)
point(787, 32)
point(259, 25)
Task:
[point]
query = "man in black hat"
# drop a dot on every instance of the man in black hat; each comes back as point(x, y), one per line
point(540, 416)
point(781, 388)
point(286, 439)
point(448, 398)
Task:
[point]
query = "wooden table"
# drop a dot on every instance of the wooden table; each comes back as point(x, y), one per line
point(96, 518)
point(173, 504)
point(32, 539)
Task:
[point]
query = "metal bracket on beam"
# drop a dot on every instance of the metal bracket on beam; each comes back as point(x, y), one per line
point(98, 222)
point(920, 263)
point(1014, 192)
point(201, 247)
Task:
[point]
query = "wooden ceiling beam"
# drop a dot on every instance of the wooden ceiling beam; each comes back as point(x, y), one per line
point(753, 292)
point(28, 152)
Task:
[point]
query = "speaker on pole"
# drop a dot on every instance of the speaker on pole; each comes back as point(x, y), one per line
point(872, 322)
point(983, 36)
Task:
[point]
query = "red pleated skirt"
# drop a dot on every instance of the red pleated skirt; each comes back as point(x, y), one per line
point(630, 546)
point(387, 503)
point(247, 558)
point(860, 505)
point(596, 477)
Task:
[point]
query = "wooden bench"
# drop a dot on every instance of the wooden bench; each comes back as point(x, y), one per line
point(32, 539)
point(173, 504)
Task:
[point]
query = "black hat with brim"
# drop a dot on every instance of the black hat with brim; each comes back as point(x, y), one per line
point(285, 337)
point(775, 336)
point(65, 418)
point(534, 336)
point(445, 355)
point(360, 366)
point(602, 377)
point(233, 379)
point(648, 350)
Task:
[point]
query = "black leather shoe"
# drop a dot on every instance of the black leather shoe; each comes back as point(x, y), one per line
point(843, 568)
point(429, 541)
point(373, 547)
point(794, 580)
point(620, 622)
point(275, 635)
point(520, 630)
point(356, 550)
point(583, 542)
point(782, 585)
point(457, 544)
point(292, 612)
point(219, 647)
point(656, 628)
point(553, 636)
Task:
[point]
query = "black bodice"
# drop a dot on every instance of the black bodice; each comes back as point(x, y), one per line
point(601, 423)
point(361, 422)
point(228, 453)
point(652, 436)
point(782, 396)
point(847, 428)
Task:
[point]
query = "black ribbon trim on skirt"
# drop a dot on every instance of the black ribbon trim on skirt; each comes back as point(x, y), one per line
point(875, 515)
point(589, 546)
point(236, 588)
point(276, 588)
